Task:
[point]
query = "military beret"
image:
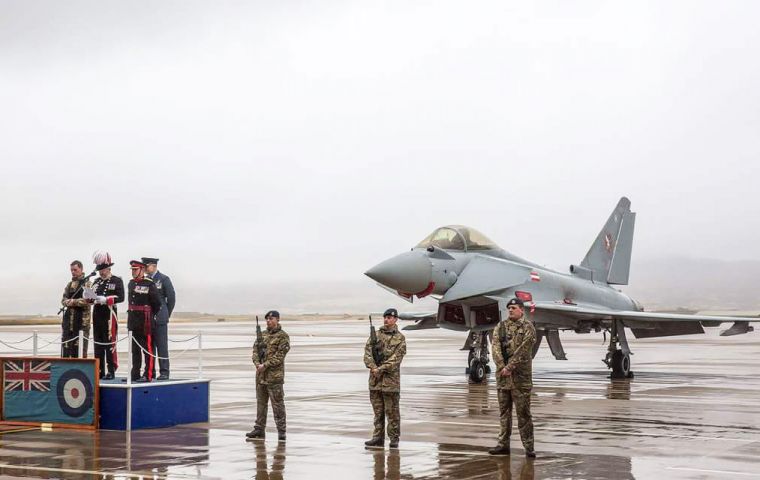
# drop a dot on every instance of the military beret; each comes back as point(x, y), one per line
point(272, 314)
point(516, 301)
point(391, 312)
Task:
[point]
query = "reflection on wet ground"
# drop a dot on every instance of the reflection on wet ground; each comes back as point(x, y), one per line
point(692, 411)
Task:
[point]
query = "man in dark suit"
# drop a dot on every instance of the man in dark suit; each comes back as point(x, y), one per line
point(161, 331)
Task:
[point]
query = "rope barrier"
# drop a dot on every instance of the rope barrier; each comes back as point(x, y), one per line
point(134, 340)
point(185, 340)
point(89, 339)
point(20, 341)
point(52, 342)
point(15, 348)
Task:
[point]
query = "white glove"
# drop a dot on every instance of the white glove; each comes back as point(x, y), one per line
point(101, 300)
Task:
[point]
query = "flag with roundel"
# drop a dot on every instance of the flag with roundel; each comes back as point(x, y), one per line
point(66, 394)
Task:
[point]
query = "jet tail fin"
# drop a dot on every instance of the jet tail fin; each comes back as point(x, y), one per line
point(609, 258)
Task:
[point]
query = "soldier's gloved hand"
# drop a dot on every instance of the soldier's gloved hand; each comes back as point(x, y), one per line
point(101, 300)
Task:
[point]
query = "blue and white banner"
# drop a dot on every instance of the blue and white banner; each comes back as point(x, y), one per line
point(49, 390)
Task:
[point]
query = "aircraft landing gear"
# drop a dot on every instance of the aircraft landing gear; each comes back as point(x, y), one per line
point(618, 354)
point(477, 359)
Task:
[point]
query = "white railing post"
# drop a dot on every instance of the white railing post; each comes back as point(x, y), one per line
point(129, 358)
point(200, 354)
point(34, 343)
point(129, 384)
point(81, 343)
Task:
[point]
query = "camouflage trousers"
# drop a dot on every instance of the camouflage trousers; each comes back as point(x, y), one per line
point(386, 408)
point(263, 394)
point(521, 400)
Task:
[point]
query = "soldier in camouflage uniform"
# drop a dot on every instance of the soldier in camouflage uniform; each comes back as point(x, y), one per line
point(270, 376)
point(385, 380)
point(76, 314)
point(514, 376)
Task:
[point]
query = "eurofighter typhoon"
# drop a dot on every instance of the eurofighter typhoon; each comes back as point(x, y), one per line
point(473, 279)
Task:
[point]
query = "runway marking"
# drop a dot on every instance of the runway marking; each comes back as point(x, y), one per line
point(586, 430)
point(727, 472)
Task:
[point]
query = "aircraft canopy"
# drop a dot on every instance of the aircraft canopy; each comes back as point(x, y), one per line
point(457, 237)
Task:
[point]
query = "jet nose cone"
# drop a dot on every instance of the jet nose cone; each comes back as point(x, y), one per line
point(409, 272)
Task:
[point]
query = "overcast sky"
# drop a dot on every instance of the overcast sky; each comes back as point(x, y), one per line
point(246, 143)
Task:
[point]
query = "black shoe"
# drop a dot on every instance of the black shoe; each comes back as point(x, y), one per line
point(143, 380)
point(375, 442)
point(255, 433)
point(162, 377)
point(530, 453)
point(393, 443)
point(499, 450)
point(281, 436)
point(109, 376)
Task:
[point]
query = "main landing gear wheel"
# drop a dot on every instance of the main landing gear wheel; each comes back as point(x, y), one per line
point(477, 371)
point(621, 365)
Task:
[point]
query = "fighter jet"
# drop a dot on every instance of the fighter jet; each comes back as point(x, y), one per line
point(473, 279)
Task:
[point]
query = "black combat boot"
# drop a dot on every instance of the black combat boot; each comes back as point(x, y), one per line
point(375, 442)
point(499, 450)
point(281, 436)
point(393, 443)
point(530, 453)
point(255, 433)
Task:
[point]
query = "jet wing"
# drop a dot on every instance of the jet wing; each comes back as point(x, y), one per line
point(484, 275)
point(642, 323)
point(597, 313)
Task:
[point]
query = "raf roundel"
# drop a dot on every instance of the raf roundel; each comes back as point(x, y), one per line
point(75, 393)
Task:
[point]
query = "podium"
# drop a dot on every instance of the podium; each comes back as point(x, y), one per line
point(154, 404)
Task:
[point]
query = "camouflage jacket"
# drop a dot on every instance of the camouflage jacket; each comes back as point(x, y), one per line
point(393, 347)
point(80, 309)
point(277, 345)
point(521, 336)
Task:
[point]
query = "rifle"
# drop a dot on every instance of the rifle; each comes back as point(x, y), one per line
point(377, 353)
point(503, 342)
point(261, 349)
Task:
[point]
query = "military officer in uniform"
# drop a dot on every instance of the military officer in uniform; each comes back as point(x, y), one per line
point(161, 325)
point(514, 375)
point(110, 291)
point(385, 380)
point(270, 376)
point(144, 301)
point(76, 312)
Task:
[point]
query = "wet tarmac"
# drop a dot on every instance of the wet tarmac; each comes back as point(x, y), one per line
point(692, 411)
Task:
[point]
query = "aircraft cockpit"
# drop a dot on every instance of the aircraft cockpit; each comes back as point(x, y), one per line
point(457, 237)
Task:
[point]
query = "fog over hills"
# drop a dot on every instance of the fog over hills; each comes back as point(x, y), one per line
point(700, 284)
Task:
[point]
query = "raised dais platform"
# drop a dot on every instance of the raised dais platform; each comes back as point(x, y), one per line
point(153, 405)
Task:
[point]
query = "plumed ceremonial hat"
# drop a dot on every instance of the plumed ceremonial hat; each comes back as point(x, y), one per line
point(102, 260)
